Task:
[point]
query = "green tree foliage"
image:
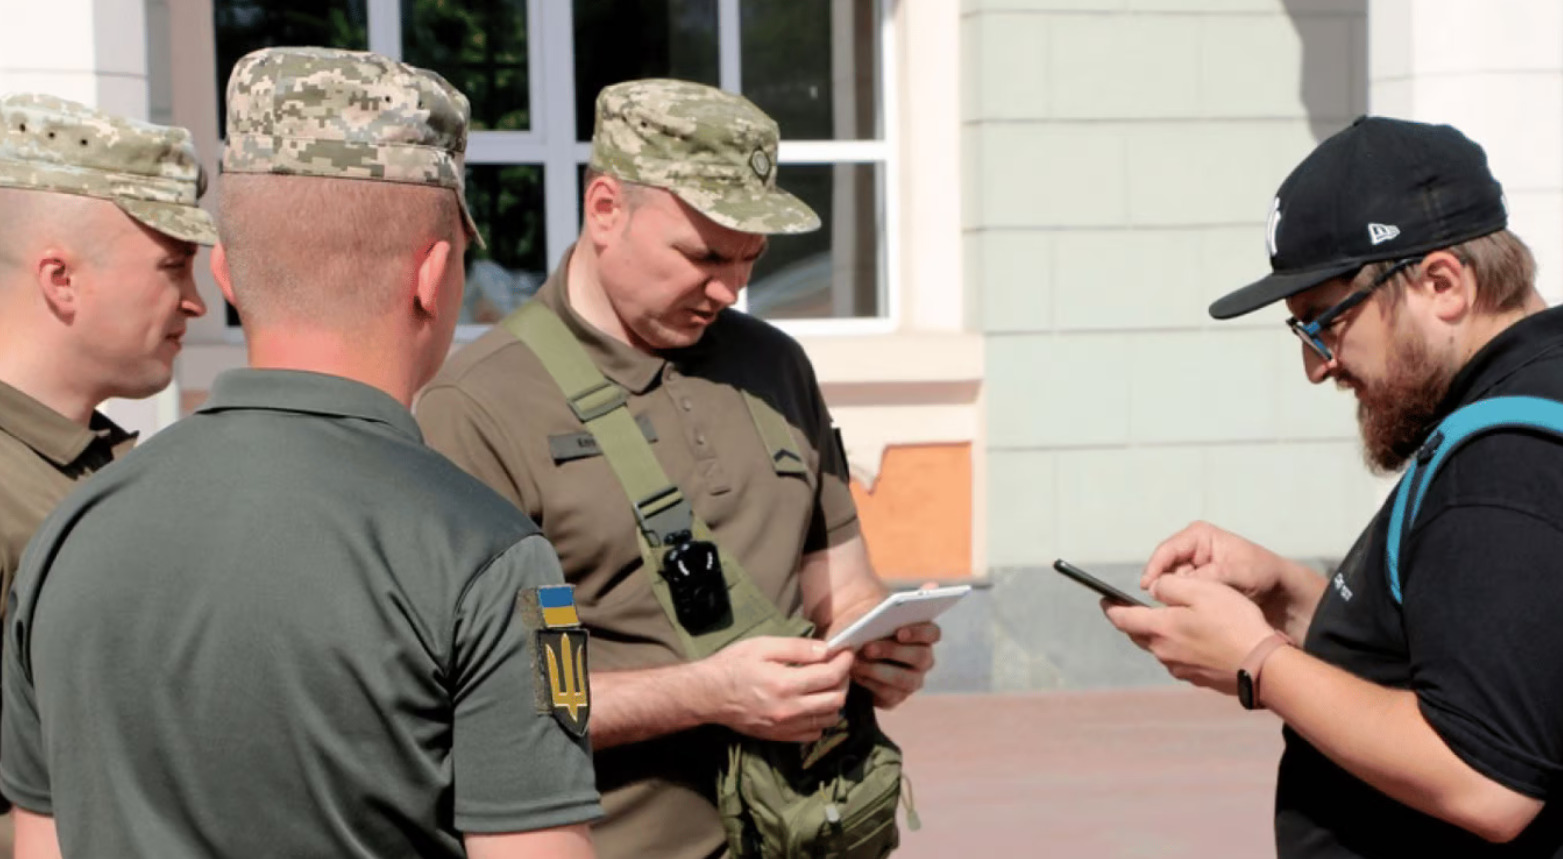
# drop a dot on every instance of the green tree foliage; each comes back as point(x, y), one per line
point(248, 25)
point(481, 47)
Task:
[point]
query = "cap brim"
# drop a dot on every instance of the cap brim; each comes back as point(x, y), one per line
point(1276, 287)
point(466, 218)
point(186, 223)
point(771, 213)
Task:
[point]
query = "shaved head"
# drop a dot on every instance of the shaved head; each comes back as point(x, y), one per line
point(93, 303)
point(31, 221)
point(333, 252)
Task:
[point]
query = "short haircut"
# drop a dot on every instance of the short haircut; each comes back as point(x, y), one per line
point(634, 192)
point(28, 215)
point(1504, 268)
point(328, 251)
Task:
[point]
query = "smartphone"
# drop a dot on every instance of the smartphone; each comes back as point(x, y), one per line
point(1096, 584)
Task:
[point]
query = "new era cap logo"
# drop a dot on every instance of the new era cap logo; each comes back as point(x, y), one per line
point(1275, 224)
point(1381, 233)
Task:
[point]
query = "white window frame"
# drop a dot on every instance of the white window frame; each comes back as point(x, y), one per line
point(551, 142)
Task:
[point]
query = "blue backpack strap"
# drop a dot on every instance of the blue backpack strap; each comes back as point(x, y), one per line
point(1466, 423)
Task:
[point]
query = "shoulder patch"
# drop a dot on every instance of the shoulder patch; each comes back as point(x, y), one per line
point(558, 606)
point(562, 678)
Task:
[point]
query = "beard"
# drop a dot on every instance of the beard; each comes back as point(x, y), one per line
point(1396, 415)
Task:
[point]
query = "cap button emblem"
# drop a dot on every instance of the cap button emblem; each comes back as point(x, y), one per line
point(1273, 226)
point(761, 163)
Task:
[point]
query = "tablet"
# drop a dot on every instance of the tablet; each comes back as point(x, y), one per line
point(899, 609)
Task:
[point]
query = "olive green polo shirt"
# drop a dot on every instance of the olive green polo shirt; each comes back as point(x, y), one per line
point(284, 627)
point(43, 455)
point(498, 414)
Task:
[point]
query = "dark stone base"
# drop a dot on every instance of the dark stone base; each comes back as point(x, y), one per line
point(1030, 629)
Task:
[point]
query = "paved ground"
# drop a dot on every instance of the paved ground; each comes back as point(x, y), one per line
point(1166, 773)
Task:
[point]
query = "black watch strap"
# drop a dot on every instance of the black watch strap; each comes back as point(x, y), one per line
point(1248, 671)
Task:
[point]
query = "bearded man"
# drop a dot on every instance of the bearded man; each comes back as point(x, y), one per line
point(1420, 685)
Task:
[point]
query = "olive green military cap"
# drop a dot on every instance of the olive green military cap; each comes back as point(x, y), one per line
point(149, 171)
point(347, 115)
point(714, 150)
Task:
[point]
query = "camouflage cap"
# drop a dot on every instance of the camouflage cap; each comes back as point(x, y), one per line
point(715, 150)
point(149, 171)
point(346, 115)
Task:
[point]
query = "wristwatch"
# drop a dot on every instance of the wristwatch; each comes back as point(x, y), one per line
point(1248, 672)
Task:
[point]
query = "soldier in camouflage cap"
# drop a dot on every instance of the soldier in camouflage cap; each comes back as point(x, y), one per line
point(99, 225)
point(716, 151)
point(148, 171)
point(346, 115)
point(368, 600)
point(679, 199)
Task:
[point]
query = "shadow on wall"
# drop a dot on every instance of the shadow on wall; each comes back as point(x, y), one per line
point(1334, 78)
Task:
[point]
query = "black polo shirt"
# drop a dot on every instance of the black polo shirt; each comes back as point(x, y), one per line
point(1479, 637)
point(284, 627)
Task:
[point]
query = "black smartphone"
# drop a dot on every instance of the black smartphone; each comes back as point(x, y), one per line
point(1096, 584)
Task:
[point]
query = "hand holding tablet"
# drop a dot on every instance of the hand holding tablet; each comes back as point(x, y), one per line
point(903, 608)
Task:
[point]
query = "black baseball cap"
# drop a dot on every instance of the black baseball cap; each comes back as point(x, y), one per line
point(1380, 189)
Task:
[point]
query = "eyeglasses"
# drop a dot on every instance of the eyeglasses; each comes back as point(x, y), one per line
point(1311, 333)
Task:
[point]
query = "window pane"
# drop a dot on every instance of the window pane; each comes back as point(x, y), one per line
point(243, 26)
point(481, 47)
point(507, 203)
point(833, 272)
point(813, 65)
point(616, 40)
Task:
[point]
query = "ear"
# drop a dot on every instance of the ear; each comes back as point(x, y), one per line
point(220, 272)
point(604, 210)
point(1448, 286)
point(57, 283)
point(431, 279)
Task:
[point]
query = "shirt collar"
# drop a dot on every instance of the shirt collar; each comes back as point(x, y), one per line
point(54, 436)
point(308, 393)
point(623, 364)
point(1525, 342)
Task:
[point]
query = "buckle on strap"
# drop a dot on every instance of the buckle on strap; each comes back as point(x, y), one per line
point(664, 513)
point(598, 400)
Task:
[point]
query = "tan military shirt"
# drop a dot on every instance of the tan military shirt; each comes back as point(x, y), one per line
point(43, 454)
point(498, 414)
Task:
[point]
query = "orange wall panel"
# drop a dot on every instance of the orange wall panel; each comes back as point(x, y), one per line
point(917, 518)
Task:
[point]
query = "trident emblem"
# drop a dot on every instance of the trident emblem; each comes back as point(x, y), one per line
point(567, 678)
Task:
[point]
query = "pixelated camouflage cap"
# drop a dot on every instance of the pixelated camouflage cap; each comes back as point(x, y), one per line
point(149, 171)
point(346, 115)
point(715, 150)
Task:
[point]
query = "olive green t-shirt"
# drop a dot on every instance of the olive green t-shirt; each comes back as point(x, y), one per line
point(284, 627)
point(497, 413)
point(43, 455)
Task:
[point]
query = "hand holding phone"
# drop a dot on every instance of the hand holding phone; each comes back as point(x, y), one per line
point(1096, 584)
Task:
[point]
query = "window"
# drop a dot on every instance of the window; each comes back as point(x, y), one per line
point(532, 69)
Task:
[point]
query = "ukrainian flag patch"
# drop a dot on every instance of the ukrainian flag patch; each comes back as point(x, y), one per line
point(558, 605)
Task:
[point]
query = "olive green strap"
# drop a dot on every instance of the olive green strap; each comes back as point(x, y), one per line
point(660, 508)
point(776, 435)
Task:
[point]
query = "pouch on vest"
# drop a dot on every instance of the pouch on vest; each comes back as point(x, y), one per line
point(833, 798)
point(789, 801)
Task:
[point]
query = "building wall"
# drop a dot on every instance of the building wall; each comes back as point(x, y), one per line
point(1495, 70)
point(1120, 161)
